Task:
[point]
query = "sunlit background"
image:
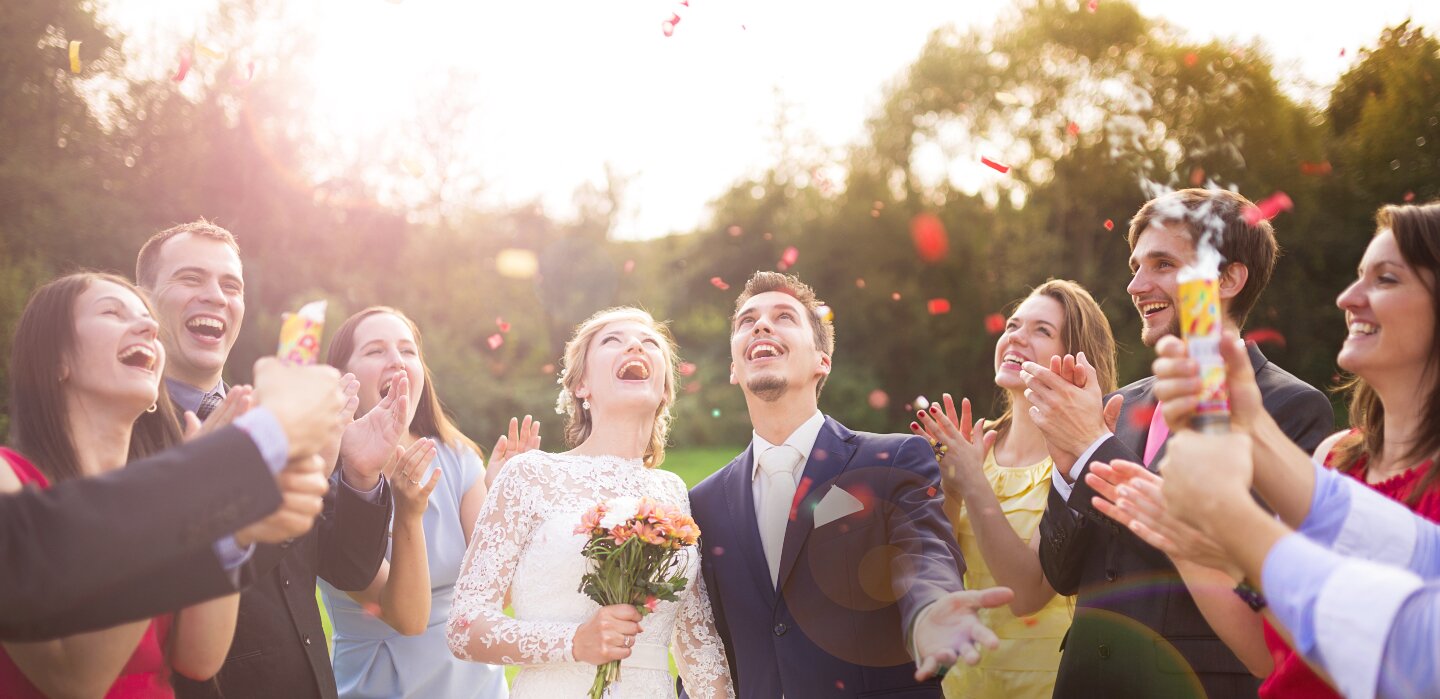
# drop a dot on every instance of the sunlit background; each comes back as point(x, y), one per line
point(552, 96)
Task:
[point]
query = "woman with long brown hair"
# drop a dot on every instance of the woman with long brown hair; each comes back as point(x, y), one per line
point(85, 399)
point(996, 480)
point(390, 637)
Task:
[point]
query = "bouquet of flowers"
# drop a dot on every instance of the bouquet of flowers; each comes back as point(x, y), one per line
point(633, 560)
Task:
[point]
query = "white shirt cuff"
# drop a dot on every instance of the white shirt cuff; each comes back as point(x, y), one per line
point(1065, 487)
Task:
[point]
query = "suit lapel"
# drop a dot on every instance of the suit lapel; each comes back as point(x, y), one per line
point(827, 460)
point(740, 499)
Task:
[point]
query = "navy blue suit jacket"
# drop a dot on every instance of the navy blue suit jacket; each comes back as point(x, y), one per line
point(850, 588)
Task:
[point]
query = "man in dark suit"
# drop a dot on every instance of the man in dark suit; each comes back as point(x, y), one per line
point(826, 555)
point(1138, 630)
point(77, 558)
point(194, 275)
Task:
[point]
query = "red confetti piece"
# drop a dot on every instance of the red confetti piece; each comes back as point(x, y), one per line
point(500, 323)
point(884, 455)
point(1140, 417)
point(692, 388)
point(1268, 208)
point(187, 56)
point(1002, 169)
point(788, 258)
point(1109, 224)
point(1197, 176)
point(1342, 52)
point(1094, 5)
point(860, 283)
point(1266, 336)
point(928, 234)
point(938, 306)
point(1029, 620)
point(719, 283)
point(895, 296)
point(931, 491)
point(547, 369)
point(840, 685)
point(1319, 169)
point(879, 399)
point(1191, 59)
point(1073, 129)
point(629, 266)
point(668, 26)
point(1409, 197)
point(686, 369)
point(735, 231)
point(495, 341)
point(994, 323)
point(800, 491)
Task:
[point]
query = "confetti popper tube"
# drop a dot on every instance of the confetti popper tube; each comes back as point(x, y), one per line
point(300, 334)
point(1200, 325)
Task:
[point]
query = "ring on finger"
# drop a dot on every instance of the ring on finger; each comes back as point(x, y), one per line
point(629, 641)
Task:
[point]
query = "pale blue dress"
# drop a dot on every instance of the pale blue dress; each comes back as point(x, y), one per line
point(371, 659)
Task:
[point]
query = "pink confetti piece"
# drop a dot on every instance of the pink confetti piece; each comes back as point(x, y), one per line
point(692, 388)
point(1073, 129)
point(495, 341)
point(1266, 336)
point(629, 266)
point(860, 282)
point(735, 231)
point(1268, 208)
point(1409, 197)
point(187, 56)
point(1342, 51)
point(1109, 224)
point(719, 283)
point(668, 26)
point(1191, 59)
point(1319, 169)
point(1197, 176)
point(686, 369)
point(878, 399)
point(1092, 6)
point(937, 306)
point(894, 296)
point(788, 258)
point(994, 323)
point(1002, 169)
point(500, 323)
point(547, 369)
point(927, 232)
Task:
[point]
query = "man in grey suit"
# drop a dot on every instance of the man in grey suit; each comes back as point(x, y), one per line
point(1138, 631)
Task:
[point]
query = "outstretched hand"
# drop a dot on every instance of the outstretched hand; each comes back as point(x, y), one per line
point(965, 445)
point(949, 629)
point(522, 438)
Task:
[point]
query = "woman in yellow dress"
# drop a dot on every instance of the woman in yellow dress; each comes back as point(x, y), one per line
point(996, 478)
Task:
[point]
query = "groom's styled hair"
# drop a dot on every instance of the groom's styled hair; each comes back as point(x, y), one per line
point(764, 282)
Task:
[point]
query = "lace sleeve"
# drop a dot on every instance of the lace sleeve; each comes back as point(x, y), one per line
point(699, 650)
point(479, 629)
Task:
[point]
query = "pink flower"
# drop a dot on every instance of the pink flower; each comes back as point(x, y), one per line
point(621, 533)
point(650, 534)
point(590, 521)
point(651, 602)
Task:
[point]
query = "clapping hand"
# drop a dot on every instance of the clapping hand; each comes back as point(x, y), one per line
point(964, 445)
point(238, 400)
point(522, 438)
point(949, 629)
point(305, 401)
point(406, 474)
point(369, 442)
point(350, 387)
point(1066, 403)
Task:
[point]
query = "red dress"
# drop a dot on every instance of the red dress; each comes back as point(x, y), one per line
point(145, 676)
point(1292, 678)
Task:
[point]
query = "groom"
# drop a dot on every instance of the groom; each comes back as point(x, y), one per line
point(828, 560)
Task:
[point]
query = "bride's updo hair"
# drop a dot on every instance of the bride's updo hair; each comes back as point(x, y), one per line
point(572, 371)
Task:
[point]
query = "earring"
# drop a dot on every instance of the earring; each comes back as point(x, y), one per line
point(586, 404)
point(153, 407)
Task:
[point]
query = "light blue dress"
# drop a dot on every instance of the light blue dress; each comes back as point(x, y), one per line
point(373, 660)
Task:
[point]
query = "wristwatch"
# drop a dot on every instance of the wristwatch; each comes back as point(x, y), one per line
point(1252, 596)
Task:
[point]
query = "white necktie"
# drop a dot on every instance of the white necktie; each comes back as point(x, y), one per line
point(777, 468)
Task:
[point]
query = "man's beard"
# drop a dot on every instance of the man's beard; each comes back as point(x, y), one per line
point(768, 388)
point(1172, 329)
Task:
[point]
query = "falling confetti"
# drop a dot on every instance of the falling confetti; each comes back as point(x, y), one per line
point(1266, 336)
point(1409, 197)
point(75, 57)
point(500, 323)
point(1191, 59)
point(1342, 52)
point(629, 266)
point(938, 306)
point(879, 399)
point(1268, 208)
point(930, 492)
point(1094, 5)
point(495, 341)
point(1197, 176)
point(547, 369)
point(1109, 224)
point(735, 231)
point(994, 324)
point(692, 388)
point(686, 369)
point(718, 550)
point(928, 234)
point(1073, 129)
point(895, 296)
point(517, 263)
point(719, 283)
point(860, 283)
point(1002, 169)
point(788, 258)
point(800, 492)
point(668, 26)
point(187, 56)
point(1141, 416)
point(1319, 169)
point(826, 313)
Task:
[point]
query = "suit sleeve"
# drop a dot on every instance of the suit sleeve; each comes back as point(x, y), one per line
point(91, 553)
point(1068, 527)
point(353, 536)
point(1306, 417)
point(920, 530)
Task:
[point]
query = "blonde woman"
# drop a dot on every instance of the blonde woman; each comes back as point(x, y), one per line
point(617, 387)
point(996, 478)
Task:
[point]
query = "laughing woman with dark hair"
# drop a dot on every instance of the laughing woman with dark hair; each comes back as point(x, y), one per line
point(86, 399)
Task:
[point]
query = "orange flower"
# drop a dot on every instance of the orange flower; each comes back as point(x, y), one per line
point(590, 521)
point(621, 533)
point(650, 533)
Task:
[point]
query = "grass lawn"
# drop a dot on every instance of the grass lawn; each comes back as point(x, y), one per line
point(692, 464)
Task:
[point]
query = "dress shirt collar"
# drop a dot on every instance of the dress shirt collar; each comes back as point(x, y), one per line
point(802, 439)
point(187, 397)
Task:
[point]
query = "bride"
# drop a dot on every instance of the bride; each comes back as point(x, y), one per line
point(618, 383)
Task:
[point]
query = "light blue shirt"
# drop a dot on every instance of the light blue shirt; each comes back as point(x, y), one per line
point(1358, 587)
point(373, 660)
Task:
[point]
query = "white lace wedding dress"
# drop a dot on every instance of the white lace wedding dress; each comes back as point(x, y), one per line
point(524, 541)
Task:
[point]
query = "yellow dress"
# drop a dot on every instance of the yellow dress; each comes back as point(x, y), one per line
point(1024, 664)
